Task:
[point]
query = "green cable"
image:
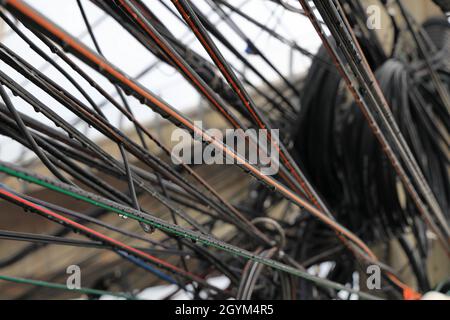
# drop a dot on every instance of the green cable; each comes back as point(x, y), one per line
point(63, 287)
point(174, 229)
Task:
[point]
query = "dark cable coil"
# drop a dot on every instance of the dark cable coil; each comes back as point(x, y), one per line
point(342, 157)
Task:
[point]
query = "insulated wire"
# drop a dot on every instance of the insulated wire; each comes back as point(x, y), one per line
point(373, 123)
point(59, 286)
point(163, 225)
point(148, 98)
point(97, 235)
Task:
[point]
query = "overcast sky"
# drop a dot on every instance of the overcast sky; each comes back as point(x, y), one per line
point(126, 53)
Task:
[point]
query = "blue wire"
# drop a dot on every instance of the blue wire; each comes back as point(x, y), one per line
point(147, 267)
point(129, 257)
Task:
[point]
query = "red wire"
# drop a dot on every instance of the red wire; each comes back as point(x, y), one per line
point(98, 235)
